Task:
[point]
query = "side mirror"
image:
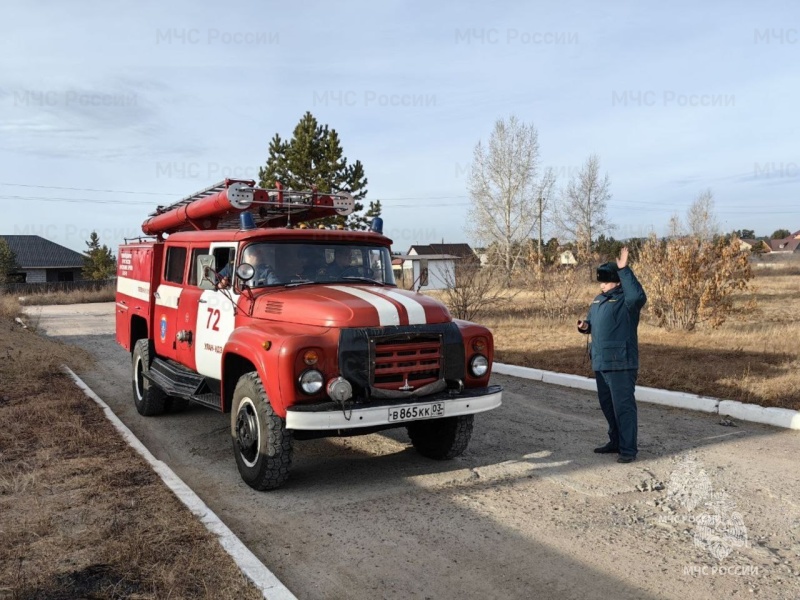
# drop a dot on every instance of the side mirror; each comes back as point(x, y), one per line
point(205, 272)
point(245, 272)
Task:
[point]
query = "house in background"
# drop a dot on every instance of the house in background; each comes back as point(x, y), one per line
point(430, 266)
point(43, 261)
point(785, 246)
point(456, 250)
point(755, 246)
point(425, 272)
point(567, 258)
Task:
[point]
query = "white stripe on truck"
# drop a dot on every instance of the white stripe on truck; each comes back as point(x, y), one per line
point(134, 288)
point(416, 312)
point(387, 312)
point(168, 295)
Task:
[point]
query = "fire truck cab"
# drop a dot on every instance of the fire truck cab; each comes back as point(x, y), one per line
point(297, 332)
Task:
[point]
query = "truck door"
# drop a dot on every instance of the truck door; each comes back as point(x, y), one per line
point(167, 299)
point(190, 304)
point(215, 318)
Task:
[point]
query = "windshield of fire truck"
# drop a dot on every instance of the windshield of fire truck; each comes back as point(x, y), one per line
point(285, 263)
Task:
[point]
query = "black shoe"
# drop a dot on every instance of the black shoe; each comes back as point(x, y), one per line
point(609, 448)
point(625, 459)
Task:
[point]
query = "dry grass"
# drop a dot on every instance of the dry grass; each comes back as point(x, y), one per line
point(104, 294)
point(81, 514)
point(9, 307)
point(753, 357)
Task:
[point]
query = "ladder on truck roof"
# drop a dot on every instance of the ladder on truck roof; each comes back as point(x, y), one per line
point(219, 207)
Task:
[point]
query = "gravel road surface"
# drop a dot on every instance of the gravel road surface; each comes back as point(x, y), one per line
point(710, 510)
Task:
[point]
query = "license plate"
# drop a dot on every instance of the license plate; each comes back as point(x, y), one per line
point(432, 410)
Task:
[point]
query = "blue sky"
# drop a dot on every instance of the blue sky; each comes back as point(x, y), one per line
point(160, 99)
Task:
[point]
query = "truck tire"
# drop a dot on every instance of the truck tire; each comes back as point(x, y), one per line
point(441, 439)
point(149, 398)
point(261, 443)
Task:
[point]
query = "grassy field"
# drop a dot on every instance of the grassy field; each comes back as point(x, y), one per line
point(753, 357)
point(104, 294)
point(81, 514)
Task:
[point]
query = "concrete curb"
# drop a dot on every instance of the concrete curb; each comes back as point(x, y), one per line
point(248, 562)
point(778, 417)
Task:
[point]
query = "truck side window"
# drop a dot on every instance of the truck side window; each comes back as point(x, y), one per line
point(224, 257)
point(176, 264)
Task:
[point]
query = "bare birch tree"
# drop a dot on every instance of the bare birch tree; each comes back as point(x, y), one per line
point(700, 218)
point(544, 196)
point(701, 221)
point(581, 214)
point(503, 190)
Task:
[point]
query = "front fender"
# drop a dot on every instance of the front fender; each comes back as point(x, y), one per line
point(266, 348)
point(469, 332)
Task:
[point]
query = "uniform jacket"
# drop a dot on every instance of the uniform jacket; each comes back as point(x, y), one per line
point(613, 323)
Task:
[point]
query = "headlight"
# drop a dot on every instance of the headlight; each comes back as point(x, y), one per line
point(311, 381)
point(479, 365)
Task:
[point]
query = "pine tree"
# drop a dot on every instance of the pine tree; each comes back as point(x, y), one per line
point(99, 263)
point(313, 158)
point(8, 261)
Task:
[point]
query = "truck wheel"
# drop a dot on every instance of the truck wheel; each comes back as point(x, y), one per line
point(441, 439)
point(149, 398)
point(261, 443)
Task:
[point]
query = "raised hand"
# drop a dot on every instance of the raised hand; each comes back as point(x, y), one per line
point(622, 261)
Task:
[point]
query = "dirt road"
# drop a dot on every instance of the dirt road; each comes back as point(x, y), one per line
point(708, 511)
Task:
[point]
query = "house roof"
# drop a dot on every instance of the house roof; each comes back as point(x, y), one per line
point(405, 257)
point(33, 251)
point(460, 250)
point(785, 245)
point(753, 243)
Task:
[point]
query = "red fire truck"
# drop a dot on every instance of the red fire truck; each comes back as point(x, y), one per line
point(235, 303)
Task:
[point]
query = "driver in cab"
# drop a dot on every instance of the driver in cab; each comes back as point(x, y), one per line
point(342, 264)
point(255, 255)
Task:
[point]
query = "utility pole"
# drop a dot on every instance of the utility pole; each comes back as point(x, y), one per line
point(540, 230)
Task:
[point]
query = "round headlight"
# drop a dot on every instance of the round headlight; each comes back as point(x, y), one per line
point(479, 365)
point(311, 381)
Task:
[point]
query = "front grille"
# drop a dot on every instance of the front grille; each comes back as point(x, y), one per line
point(376, 360)
point(414, 361)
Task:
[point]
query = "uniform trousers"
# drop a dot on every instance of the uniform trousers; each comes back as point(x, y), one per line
point(615, 390)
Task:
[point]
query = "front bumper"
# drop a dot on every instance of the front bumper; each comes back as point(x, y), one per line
point(329, 416)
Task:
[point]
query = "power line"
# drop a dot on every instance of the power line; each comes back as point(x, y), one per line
point(81, 189)
point(77, 189)
point(75, 200)
point(632, 206)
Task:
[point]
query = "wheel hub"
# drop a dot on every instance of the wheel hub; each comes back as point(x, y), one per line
point(247, 432)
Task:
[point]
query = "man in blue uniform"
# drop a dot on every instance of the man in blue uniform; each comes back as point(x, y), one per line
point(613, 321)
point(256, 255)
